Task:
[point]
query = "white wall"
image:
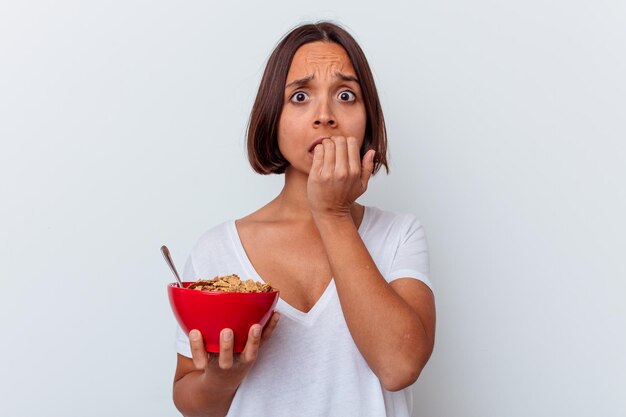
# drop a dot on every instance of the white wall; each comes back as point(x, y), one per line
point(122, 128)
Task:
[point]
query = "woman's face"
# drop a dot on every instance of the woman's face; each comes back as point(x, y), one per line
point(322, 99)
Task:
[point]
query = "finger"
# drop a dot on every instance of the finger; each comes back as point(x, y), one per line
point(318, 160)
point(198, 351)
point(354, 157)
point(226, 349)
point(249, 353)
point(329, 157)
point(341, 157)
point(269, 328)
point(367, 167)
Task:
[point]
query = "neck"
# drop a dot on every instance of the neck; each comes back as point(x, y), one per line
point(292, 203)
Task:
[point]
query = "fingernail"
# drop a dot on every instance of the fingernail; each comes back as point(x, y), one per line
point(194, 335)
point(256, 332)
point(228, 335)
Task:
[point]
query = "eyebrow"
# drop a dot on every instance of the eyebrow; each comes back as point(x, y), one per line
point(346, 77)
point(302, 81)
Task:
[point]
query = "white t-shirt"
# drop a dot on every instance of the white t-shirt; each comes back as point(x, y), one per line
point(311, 365)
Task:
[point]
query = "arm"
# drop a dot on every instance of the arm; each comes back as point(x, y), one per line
point(196, 394)
point(392, 324)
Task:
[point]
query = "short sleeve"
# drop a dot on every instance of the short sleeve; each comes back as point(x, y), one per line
point(411, 257)
point(189, 272)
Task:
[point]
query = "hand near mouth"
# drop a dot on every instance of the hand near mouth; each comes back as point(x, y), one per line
point(338, 176)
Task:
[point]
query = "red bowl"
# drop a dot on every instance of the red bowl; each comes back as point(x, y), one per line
point(210, 312)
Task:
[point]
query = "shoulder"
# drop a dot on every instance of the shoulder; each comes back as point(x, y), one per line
point(391, 221)
point(214, 233)
point(214, 253)
point(213, 239)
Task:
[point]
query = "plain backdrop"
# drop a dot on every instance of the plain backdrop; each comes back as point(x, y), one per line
point(122, 128)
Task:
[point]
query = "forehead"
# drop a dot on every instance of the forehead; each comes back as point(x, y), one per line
point(319, 57)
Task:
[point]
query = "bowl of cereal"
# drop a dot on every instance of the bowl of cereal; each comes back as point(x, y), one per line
point(219, 303)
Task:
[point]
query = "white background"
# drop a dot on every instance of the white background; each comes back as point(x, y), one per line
point(122, 127)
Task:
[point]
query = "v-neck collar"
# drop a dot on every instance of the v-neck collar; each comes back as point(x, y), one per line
point(283, 306)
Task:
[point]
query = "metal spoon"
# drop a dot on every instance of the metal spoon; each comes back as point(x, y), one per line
point(168, 259)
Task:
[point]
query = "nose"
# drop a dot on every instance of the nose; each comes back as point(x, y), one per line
point(324, 115)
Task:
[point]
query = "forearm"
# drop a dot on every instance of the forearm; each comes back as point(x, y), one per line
point(388, 332)
point(193, 396)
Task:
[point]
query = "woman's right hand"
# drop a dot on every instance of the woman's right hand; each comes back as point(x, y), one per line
point(226, 367)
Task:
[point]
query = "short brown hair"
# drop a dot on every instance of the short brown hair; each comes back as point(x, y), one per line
point(262, 137)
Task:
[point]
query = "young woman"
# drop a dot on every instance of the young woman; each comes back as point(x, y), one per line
point(357, 315)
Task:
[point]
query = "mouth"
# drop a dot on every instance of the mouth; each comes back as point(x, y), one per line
point(317, 142)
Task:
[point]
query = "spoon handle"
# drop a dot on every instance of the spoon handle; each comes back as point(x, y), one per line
point(168, 260)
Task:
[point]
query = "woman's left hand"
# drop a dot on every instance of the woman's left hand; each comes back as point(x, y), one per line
point(338, 176)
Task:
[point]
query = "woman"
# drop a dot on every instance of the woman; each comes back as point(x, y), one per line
point(357, 316)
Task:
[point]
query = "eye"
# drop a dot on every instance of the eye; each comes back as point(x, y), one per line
point(299, 97)
point(347, 95)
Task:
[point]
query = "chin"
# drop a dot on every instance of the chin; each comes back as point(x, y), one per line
point(298, 170)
